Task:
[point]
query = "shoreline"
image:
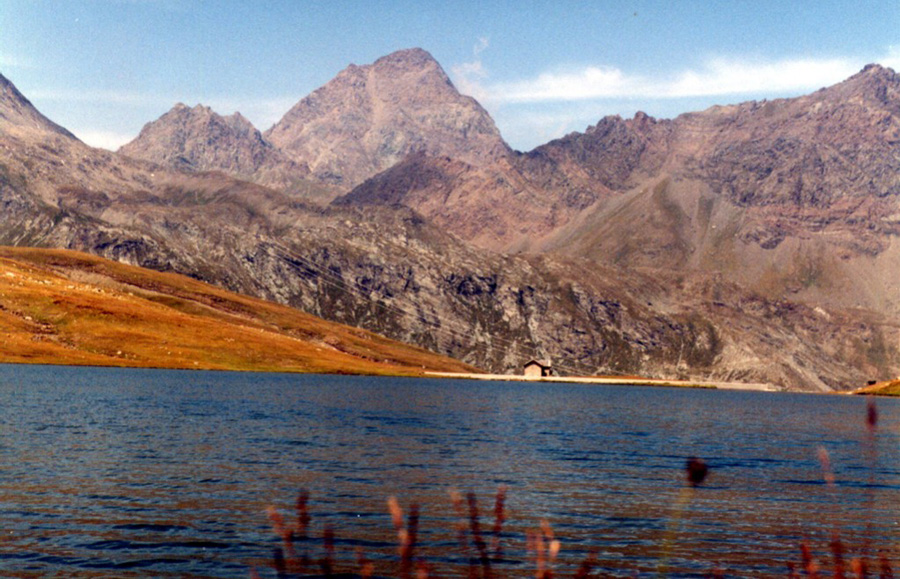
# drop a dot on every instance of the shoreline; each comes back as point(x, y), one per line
point(412, 373)
point(608, 380)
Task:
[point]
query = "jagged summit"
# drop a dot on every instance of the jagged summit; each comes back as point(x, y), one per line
point(199, 139)
point(414, 55)
point(370, 117)
point(874, 82)
point(875, 70)
point(17, 114)
point(404, 62)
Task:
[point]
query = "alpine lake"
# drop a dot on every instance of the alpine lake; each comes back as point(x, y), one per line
point(154, 473)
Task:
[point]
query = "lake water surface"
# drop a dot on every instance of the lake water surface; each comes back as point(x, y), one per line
point(149, 473)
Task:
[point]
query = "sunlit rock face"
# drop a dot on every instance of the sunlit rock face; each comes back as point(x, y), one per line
point(371, 117)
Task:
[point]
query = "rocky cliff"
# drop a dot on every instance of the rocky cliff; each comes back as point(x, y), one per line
point(793, 198)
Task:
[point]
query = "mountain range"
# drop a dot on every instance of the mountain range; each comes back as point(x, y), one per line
point(746, 242)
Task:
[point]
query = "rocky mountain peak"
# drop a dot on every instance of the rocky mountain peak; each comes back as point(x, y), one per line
point(642, 121)
point(877, 71)
point(407, 57)
point(199, 139)
point(411, 60)
point(18, 115)
point(874, 84)
point(370, 117)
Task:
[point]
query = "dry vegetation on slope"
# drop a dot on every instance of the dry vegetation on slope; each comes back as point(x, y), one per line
point(884, 388)
point(64, 307)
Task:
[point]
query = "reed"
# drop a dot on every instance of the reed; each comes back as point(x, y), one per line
point(481, 544)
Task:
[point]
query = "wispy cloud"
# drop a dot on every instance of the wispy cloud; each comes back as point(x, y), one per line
point(721, 76)
point(98, 117)
point(729, 76)
point(167, 5)
point(551, 103)
point(263, 112)
point(524, 129)
point(470, 75)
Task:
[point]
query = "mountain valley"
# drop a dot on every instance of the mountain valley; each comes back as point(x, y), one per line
point(752, 242)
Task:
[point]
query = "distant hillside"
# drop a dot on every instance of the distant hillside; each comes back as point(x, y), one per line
point(65, 307)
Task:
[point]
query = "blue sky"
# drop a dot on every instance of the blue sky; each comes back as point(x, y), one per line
point(103, 68)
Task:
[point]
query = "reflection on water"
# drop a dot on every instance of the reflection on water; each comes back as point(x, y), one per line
point(135, 473)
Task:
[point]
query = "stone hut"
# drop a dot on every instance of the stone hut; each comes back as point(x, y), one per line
point(538, 368)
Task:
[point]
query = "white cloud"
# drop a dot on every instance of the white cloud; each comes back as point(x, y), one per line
point(532, 110)
point(727, 76)
point(469, 75)
point(525, 129)
point(586, 84)
point(480, 46)
point(717, 77)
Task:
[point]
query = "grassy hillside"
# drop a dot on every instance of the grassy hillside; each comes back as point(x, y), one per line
point(886, 388)
point(64, 307)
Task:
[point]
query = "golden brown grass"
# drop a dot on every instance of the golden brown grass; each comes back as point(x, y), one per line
point(65, 307)
point(886, 388)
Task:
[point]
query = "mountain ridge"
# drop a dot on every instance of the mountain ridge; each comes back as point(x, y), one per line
point(16, 111)
point(199, 139)
point(588, 302)
point(799, 184)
